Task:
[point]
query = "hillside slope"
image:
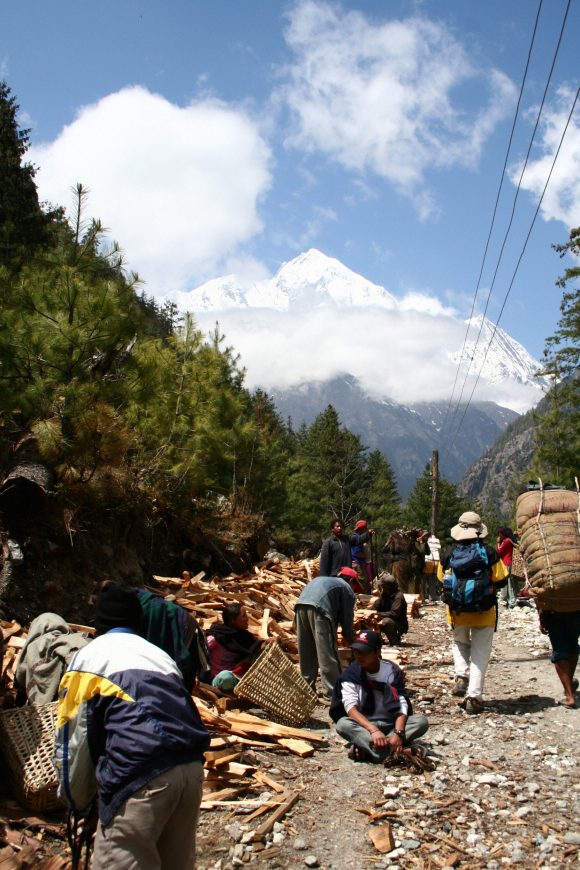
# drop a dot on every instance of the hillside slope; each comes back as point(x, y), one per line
point(489, 478)
point(406, 434)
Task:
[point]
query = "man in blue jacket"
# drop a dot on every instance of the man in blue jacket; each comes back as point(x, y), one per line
point(128, 730)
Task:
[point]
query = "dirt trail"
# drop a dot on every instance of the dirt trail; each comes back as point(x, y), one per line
point(522, 808)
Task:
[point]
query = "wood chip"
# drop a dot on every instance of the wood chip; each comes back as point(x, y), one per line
point(382, 838)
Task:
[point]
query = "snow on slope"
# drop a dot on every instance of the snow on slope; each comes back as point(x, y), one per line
point(506, 358)
point(311, 277)
point(292, 328)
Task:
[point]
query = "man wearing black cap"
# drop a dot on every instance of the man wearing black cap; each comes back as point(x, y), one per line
point(128, 730)
point(370, 705)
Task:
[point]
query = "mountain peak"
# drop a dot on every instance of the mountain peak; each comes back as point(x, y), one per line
point(312, 278)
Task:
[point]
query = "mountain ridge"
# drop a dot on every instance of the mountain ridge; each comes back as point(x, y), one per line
point(407, 435)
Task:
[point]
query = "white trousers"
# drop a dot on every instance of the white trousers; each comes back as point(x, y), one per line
point(472, 644)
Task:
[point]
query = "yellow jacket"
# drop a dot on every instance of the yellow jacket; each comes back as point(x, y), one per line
point(476, 620)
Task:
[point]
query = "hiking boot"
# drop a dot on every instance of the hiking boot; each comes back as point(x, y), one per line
point(473, 706)
point(460, 687)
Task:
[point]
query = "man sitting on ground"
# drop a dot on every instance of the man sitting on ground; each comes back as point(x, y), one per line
point(392, 608)
point(233, 649)
point(371, 708)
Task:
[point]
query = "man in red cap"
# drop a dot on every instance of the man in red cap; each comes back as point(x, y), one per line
point(363, 567)
point(324, 604)
point(370, 705)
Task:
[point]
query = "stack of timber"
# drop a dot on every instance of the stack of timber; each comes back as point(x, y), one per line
point(269, 592)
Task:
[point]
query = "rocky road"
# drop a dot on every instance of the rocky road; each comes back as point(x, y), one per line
point(506, 789)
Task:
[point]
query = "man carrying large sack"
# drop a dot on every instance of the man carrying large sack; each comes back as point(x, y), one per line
point(470, 572)
point(549, 529)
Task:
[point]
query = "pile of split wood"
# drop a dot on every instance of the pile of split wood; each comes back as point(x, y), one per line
point(31, 842)
point(269, 592)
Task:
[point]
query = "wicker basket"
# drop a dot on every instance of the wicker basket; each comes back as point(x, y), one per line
point(27, 747)
point(274, 684)
point(517, 563)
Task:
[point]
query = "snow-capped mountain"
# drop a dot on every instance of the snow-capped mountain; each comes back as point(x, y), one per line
point(316, 320)
point(312, 276)
point(505, 357)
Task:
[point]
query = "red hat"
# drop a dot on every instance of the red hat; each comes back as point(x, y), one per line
point(350, 573)
point(360, 524)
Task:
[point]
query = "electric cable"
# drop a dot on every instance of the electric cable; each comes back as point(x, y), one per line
point(508, 229)
point(515, 271)
point(492, 223)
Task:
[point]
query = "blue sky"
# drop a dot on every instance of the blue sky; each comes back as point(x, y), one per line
point(230, 136)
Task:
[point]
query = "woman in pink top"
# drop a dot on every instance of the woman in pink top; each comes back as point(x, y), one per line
point(232, 647)
point(505, 546)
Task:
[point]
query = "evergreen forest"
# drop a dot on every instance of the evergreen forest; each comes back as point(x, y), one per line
point(136, 411)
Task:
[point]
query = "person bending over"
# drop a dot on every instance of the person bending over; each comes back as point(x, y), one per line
point(128, 730)
point(324, 604)
point(370, 705)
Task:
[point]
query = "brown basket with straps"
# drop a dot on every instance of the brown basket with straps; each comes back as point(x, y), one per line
point(27, 747)
point(274, 684)
point(518, 563)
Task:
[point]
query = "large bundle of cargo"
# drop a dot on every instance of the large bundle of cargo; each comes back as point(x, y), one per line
point(549, 531)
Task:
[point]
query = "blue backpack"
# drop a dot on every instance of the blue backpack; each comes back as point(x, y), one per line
point(469, 588)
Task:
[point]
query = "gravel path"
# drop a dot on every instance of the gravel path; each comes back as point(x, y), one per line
point(522, 806)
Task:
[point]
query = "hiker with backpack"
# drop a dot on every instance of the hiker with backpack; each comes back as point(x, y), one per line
point(471, 571)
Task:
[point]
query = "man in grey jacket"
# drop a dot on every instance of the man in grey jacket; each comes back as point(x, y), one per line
point(324, 604)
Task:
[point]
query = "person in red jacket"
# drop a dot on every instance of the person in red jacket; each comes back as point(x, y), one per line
point(505, 546)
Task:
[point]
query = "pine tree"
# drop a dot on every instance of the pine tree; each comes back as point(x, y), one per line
point(24, 227)
point(557, 450)
point(383, 504)
point(69, 324)
point(417, 511)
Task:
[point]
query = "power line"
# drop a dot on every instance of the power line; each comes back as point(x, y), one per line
point(507, 231)
point(516, 269)
point(492, 223)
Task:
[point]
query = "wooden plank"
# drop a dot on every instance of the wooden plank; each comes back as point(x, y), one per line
point(246, 720)
point(271, 783)
point(382, 837)
point(9, 629)
point(278, 814)
point(297, 747)
point(223, 756)
point(264, 626)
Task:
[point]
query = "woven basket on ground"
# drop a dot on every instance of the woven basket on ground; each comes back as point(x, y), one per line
point(27, 747)
point(274, 684)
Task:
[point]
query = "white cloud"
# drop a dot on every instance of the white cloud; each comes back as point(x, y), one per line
point(178, 187)
point(562, 199)
point(380, 97)
point(400, 353)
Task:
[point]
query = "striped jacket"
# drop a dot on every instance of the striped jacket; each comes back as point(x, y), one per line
point(124, 717)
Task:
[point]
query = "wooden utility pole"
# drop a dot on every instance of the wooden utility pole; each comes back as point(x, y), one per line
point(435, 495)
